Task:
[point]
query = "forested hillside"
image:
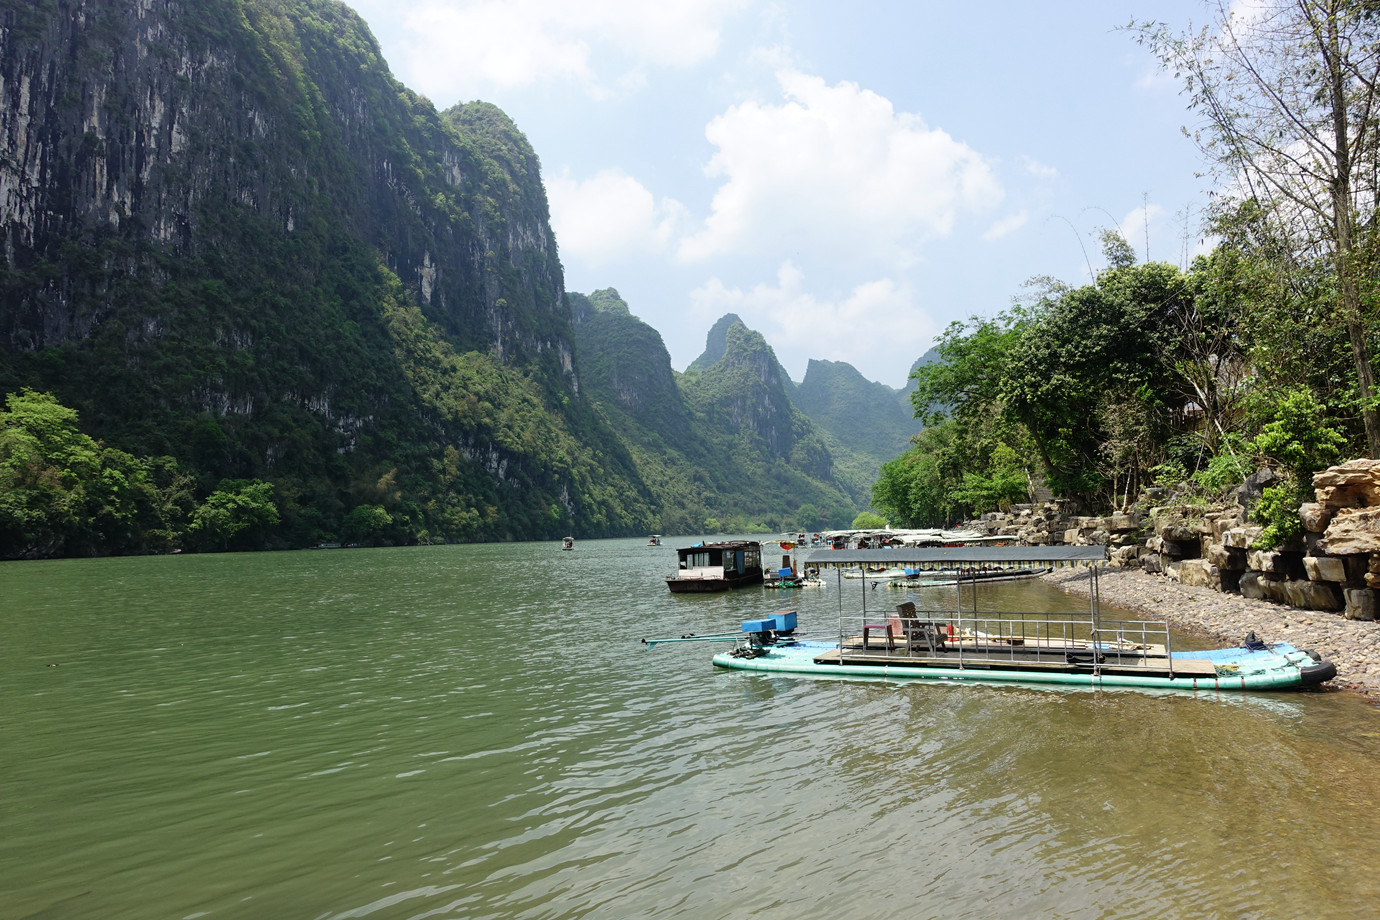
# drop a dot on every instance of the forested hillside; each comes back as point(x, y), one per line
point(234, 241)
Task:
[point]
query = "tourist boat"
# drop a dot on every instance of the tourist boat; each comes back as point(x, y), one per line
point(654, 540)
point(959, 643)
point(568, 543)
point(716, 567)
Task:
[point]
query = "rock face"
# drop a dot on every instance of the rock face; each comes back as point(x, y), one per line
point(1337, 568)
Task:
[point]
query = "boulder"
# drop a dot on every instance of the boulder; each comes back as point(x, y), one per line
point(1312, 595)
point(1241, 537)
point(1315, 517)
point(1225, 558)
point(1325, 568)
point(1127, 556)
point(1253, 586)
point(1266, 560)
point(1248, 493)
point(1121, 523)
point(1353, 530)
point(1201, 573)
point(1360, 604)
point(1152, 563)
point(1354, 484)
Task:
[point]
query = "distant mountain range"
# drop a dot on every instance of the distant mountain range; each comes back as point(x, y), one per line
point(233, 239)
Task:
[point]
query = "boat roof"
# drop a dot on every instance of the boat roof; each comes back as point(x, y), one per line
point(726, 544)
point(944, 557)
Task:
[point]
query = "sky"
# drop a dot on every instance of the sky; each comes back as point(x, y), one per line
point(847, 178)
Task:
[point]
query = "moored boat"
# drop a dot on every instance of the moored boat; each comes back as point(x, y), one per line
point(958, 642)
point(716, 567)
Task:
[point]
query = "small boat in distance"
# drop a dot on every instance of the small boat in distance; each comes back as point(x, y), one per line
point(568, 543)
point(716, 567)
point(654, 540)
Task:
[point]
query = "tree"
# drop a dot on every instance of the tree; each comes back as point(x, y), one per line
point(868, 520)
point(1289, 90)
point(236, 511)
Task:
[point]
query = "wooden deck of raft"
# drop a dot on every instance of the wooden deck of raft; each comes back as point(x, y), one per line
point(1017, 657)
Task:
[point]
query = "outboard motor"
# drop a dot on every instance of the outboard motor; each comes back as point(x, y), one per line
point(764, 633)
point(1253, 644)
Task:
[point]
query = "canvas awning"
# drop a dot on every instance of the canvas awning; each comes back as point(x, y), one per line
point(952, 557)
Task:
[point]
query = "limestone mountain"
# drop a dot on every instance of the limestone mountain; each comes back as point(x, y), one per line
point(721, 442)
point(231, 237)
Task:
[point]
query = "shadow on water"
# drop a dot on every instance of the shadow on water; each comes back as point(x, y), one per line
point(471, 731)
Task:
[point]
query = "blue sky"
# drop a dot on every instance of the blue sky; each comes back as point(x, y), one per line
point(848, 179)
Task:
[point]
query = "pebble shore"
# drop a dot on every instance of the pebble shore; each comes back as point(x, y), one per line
point(1352, 645)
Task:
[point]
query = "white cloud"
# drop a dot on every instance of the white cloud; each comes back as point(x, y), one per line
point(1137, 226)
point(877, 324)
point(1039, 170)
point(837, 171)
point(461, 49)
point(1006, 226)
point(609, 217)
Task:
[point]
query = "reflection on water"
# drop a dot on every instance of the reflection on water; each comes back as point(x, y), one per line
point(477, 731)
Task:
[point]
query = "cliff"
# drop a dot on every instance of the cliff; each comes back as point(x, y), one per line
point(230, 236)
point(720, 444)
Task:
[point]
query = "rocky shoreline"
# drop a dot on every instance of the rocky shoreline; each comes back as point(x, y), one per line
point(1352, 645)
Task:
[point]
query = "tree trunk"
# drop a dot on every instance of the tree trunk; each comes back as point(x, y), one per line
point(1344, 238)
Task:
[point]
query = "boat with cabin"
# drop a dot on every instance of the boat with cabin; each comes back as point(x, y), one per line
point(568, 543)
point(721, 566)
point(959, 642)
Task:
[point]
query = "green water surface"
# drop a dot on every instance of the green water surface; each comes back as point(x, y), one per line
point(477, 731)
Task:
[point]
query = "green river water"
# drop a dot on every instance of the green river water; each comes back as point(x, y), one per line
point(478, 732)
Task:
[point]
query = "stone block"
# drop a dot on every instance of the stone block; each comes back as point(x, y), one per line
point(1252, 586)
point(1353, 531)
point(1126, 556)
point(1226, 558)
point(1360, 604)
point(1121, 523)
point(1325, 568)
point(1152, 563)
point(1315, 517)
point(1201, 573)
point(1272, 561)
point(1241, 537)
point(1354, 484)
point(1313, 595)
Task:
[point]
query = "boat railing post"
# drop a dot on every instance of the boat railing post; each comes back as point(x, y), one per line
point(838, 569)
point(958, 613)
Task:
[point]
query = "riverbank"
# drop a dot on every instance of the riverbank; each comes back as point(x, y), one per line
point(1352, 645)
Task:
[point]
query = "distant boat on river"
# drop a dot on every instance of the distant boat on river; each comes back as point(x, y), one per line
point(716, 567)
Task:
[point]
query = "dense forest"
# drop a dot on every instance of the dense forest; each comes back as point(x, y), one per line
point(1257, 354)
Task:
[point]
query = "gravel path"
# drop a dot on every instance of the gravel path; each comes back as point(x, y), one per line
point(1352, 645)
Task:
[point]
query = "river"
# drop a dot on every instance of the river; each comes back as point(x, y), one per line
point(478, 732)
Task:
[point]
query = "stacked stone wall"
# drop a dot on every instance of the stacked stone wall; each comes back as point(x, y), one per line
point(1334, 568)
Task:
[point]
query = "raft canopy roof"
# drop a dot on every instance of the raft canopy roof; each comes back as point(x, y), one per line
point(949, 557)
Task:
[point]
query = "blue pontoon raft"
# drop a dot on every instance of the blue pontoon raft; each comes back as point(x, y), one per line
point(950, 639)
